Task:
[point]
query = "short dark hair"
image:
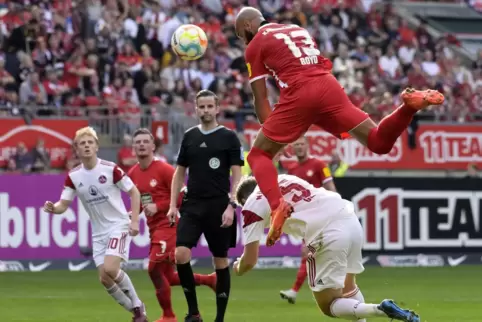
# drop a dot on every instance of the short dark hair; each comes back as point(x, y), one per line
point(143, 130)
point(245, 188)
point(207, 93)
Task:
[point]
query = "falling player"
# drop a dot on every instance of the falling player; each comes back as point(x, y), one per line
point(98, 185)
point(310, 94)
point(334, 237)
point(153, 178)
point(315, 172)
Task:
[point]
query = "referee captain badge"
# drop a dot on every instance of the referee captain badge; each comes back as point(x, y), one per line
point(214, 163)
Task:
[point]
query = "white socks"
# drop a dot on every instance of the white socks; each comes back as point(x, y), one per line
point(125, 284)
point(354, 309)
point(120, 297)
point(357, 295)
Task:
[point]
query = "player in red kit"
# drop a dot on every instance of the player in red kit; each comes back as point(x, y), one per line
point(316, 172)
point(153, 179)
point(309, 95)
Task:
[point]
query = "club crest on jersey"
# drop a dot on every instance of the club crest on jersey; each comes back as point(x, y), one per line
point(214, 163)
point(102, 179)
point(309, 173)
point(153, 183)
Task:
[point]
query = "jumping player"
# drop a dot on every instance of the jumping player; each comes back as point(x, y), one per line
point(334, 237)
point(153, 178)
point(98, 185)
point(315, 172)
point(310, 94)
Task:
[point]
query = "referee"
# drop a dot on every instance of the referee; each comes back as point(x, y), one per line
point(211, 152)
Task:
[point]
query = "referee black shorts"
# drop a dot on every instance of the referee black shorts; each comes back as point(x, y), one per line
point(204, 216)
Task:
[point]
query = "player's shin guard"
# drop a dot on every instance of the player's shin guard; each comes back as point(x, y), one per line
point(186, 277)
point(301, 276)
point(382, 138)
point(163, 288)
point(223, 287)
point(357, 295)
point(125, 284)
point(264, 171)
point(353, 310)
point(120, 297)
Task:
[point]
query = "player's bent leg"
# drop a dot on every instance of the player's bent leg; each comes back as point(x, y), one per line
point(260, 159)
point(112, 268)
point(351, 291)
point(380, 139)
point(163, 290)
point(332, 303)
point(290, 295)
point(114, 290)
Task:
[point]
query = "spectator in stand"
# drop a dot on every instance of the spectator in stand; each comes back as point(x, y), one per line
point(40, 157)
point(21, 160)
point(429, 65)
point(32, 92)
point(389, 63)
point(126, 157)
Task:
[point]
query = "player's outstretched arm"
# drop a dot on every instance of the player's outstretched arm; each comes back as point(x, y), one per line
point(57, 208)
point(262, 107)
point(248, 260)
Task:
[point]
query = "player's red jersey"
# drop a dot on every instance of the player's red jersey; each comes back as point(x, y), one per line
point(313, 171)
point(154, 184)
point(287, 52)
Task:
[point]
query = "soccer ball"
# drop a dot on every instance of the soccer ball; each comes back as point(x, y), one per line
point(189, 42)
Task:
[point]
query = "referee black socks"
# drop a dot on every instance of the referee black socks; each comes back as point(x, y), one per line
point(188, 284)
point(223, 286)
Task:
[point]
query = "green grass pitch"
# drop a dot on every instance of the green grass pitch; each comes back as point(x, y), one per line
point(437, 294)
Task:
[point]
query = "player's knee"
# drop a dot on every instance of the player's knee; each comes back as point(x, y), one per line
point(112, 271)
point(220, 262)
point(105, 279)
point(153, 270)
point(350, 284)
point(183, 255)
point(324, 300)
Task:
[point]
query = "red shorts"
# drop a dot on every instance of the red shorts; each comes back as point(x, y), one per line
point(321, 101)
point(163, 245)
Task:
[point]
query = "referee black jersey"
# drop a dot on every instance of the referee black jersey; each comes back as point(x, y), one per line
point(209, 156)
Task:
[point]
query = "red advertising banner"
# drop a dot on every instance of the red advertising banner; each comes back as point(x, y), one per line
point(56, 134)
point(160, 130)
point(442, 147)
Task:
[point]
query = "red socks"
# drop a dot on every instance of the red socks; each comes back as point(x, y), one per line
point(301, 276)
point(266, 175)
point(382, 138)
point(163, 288)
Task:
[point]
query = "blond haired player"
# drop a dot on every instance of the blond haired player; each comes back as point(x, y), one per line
point(334, 237)
point(98, 185)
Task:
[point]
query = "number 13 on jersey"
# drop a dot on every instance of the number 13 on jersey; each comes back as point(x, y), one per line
point(307, 48)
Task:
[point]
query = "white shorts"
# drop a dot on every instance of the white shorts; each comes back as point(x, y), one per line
point(117, 243)
point(336, 253)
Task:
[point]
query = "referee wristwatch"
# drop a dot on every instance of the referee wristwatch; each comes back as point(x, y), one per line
point(233, 204)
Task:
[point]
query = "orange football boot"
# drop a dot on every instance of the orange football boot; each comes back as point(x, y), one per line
point(278, 219)
point(421, 99)
point(167, 319)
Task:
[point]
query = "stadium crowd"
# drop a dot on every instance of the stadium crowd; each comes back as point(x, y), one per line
point(71, 57)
